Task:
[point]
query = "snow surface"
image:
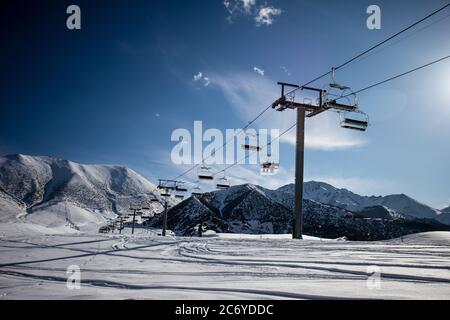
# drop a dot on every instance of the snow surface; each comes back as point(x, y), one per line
point(33, 265)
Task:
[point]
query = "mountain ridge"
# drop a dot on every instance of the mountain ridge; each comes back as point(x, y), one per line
point(255, 210)
point(326, 193)
point(53, 191)
point(32, 186)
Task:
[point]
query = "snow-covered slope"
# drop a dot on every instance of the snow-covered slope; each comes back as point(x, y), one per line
point(325, 193)
point(53, 192)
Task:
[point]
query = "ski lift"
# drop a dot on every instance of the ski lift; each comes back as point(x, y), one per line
point(154, 200)
point(334, 92)
point(204, 173)
point(196, 191)
point(223, 183)
point(248, 147)
point(179, 196)
point(181, 189)
point(269, 167)
point(165, 194)
point(359, 124)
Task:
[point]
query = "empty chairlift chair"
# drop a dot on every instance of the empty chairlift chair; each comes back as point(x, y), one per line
point(248, 147)
point(196, 191)
point(181, 189)
point(359, 124)
point(165, 194)
point(204, 173)
point(338, 96)
point(223, 183)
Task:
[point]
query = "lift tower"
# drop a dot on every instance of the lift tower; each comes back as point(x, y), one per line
point(325, 101)
point(167, 186)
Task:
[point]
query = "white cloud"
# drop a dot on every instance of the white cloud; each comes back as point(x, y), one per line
point(286, 70)
point(266, 15)
point(157, 115)
point(248, 4)
point(259, 71)
point(248, 94)
point(200, 77)
point(263, 15)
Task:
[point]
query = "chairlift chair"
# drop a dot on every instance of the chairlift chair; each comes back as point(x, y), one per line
point(334, 92)
point(223, 183)
point(165, 194)
point(181, 189)
point(196, 191)
point(204, 173)
point(269, 167)
point(248, 147)
point(354, 123)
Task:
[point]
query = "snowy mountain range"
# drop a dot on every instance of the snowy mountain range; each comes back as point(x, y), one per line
point(56, 193)
point(255, 210)
point(343, 198)
point(61, 194)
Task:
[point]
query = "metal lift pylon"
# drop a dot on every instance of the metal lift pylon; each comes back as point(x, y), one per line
point(304, 110)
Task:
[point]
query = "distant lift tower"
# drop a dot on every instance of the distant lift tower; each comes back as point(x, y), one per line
point(166, 187)
point(327, 100)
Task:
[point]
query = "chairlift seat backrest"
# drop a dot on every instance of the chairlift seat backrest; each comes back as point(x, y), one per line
point(205, 177)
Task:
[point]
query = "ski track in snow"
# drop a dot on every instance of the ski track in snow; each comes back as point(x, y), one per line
point(222, 267)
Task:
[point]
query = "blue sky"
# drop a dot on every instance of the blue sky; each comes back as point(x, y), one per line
point(114, 91)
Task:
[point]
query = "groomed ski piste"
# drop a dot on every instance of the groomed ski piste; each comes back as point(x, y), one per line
point(34, 263)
